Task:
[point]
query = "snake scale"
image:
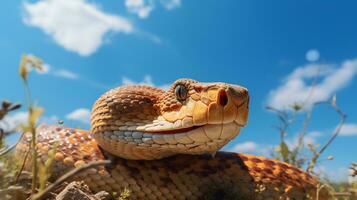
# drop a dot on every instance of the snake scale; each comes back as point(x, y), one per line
point(164, 145)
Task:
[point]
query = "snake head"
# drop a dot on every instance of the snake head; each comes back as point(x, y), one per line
point(142, 122)
point(205, 103)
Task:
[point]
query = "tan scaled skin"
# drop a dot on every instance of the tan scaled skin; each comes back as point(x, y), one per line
point(148, 130)
point(141, 122)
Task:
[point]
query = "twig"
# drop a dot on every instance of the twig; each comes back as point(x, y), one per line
point(300, 145)
point(34, 158)
point(22, 166)
point(297, 107)
point(313, 87)
point(5, 151)
point(353, 169)
point(337, 130)
point(318, 189)
point(343, 116)
point(2, 133)
point(23, 162)
point(69, 175)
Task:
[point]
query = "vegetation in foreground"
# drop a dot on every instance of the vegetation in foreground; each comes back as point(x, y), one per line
point(18, 184)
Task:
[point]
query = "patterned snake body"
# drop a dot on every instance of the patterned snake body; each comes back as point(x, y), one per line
point(149, 134)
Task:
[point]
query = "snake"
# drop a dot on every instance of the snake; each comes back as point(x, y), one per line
point(164, 144)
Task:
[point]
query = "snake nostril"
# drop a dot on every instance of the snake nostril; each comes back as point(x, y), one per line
point(222, 98)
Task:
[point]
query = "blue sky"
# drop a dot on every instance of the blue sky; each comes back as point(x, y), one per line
point(273, 49)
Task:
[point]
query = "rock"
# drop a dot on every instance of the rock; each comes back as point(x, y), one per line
point(75, 191)
point(103, 195)
point(14, 193)
point(80, 191)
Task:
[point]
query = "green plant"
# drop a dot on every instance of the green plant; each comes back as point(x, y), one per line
point(41, 170)
point(6, 166)
point(293, 155)
point(6, 108)
point(125, 194)
point(27, 63)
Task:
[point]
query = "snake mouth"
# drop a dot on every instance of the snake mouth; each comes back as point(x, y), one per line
point(207, 138)
point(174, 131)
point(186, 129)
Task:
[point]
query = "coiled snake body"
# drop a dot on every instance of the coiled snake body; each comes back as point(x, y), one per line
point(163, 145)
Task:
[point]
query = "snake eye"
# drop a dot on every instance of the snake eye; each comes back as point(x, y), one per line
point(181, 92)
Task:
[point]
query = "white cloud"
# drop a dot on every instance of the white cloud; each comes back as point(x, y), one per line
point(45, 69)
point(49, 120)
point(311, 71)
point(252, 147)
point(80, 114)
point(267, 149)
point(140, 7)
point(143, 8)
point(76, 25)
point(312, 55)
point(333, 174)
point(296, 89)
point(352, 179)
point(65, 74)
point(245, 147)
point(171, 4)
point(349, 130)
point(337, 175)
point(309, 138)
point(12, 121)
point(154, 38)
point(146, 81)
point(33, 61)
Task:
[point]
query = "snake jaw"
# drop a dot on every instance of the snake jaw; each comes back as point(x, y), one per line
point(138, 145)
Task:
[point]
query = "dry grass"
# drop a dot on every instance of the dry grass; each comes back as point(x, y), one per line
point(296, 155)
point(41, 171)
